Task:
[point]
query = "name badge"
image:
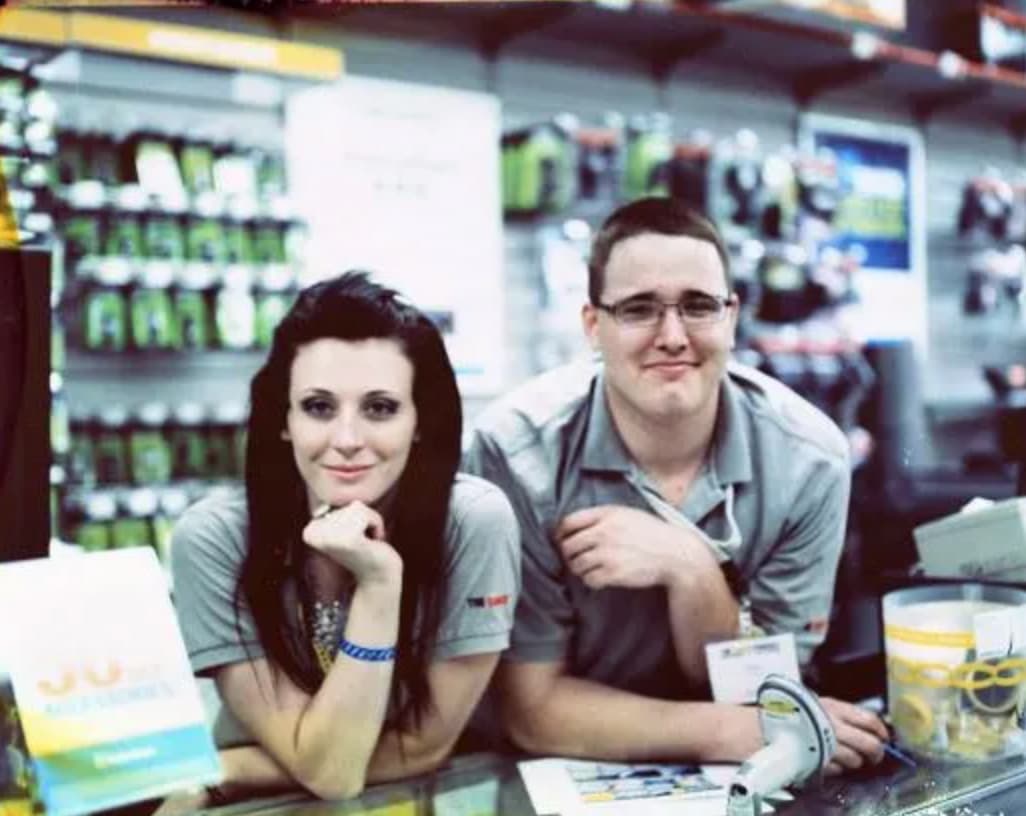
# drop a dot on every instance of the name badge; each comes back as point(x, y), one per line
point(737, 667)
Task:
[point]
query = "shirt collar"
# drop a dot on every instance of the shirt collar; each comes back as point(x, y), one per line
point(730, 459)
point(731, 453)
point(603, 448)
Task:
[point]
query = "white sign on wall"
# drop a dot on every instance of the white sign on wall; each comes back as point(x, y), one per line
point(403, 180)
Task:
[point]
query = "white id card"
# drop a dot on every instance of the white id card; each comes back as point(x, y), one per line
point(737, 667)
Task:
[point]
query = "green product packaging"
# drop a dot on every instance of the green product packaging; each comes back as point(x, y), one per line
point(163, 238)
point(222, 440)
point(153, 319)
point(271, 308)
point(92, 536)
point(269, 242)
point(511, 143)
point(172, 503)
point(134, 528)
point(196, 160)
point(297, 236)
point(82, 234)
point(187, 442)
point(149, 451)
point(124, 237)
point(204, 240)
point(545, 172)
point(94, 531)
point(192, 315)
point(235, 318)
point(131, 532)
point(238, 242)
point(105, 323)
point(649, 154)
point(270, 174)
point(110, 452)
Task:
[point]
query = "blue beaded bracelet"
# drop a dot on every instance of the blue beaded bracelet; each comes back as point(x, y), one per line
point(363, 653)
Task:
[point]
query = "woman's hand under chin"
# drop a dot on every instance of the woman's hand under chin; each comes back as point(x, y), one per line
point(354, 538)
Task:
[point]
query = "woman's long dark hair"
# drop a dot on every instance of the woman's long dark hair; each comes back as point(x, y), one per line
point(351, 307)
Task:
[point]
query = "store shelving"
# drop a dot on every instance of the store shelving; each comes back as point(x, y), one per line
point(808, 61)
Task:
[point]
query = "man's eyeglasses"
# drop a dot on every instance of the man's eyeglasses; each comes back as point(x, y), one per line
point(694, 309)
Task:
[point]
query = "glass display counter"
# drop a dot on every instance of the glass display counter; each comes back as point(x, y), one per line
point(487, 784)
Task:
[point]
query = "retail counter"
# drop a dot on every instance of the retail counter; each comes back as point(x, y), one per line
point(485, 784)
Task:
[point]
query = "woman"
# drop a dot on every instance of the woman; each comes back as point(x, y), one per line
point(352, 605)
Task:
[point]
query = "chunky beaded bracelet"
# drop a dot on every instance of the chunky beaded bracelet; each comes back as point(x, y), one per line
point(363, 653)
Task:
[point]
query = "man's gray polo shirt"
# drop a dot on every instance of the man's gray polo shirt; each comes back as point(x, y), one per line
point(552, 446)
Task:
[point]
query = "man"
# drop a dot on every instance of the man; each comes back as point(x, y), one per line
point(654, 493)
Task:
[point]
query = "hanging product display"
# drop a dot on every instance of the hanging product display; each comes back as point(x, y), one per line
point(600, 162)
point(539, 167)
point(649, 154)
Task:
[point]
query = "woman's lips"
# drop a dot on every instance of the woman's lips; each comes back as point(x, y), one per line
point(347, 472)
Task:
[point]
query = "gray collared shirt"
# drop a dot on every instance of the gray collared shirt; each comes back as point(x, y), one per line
point(552, 446)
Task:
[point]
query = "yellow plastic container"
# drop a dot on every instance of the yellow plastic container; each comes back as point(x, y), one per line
point(956, 670)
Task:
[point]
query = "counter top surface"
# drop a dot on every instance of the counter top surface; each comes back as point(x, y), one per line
point(487, 784)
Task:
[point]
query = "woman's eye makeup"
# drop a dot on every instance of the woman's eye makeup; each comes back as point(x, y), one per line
point(318, 407)
point(381, 408)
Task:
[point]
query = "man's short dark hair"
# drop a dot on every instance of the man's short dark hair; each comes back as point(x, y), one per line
point(663, 216)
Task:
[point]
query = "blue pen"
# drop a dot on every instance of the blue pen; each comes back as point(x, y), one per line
point(899, 755)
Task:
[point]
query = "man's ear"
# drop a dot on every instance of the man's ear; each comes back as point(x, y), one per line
point(589, 323)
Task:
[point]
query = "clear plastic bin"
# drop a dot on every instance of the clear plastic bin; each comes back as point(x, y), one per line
point(950, 700)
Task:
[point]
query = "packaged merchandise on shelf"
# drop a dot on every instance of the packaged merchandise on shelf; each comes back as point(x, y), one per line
point(270, 309)
point(187, 441)
point(649, 155)
point(172, 502)
point(539, 167)
point(149, 451)
point(192, 317)
point(110, 449)
point(225, 440)
point(235, 310)
point(152, 309)
point(690, 171)
point(133, 526)
point(196, 164)
point(104, 318)
point(94, 515)
point(82, 468)
point(600, 162)
point(152, 164)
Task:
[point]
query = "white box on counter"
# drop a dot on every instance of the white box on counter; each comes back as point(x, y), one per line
point(985, 543)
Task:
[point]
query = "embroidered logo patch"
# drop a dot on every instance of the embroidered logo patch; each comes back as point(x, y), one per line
point(487, 601)
point(817, 626)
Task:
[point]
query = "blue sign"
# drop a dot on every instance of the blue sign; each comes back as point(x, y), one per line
point(875, 212)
